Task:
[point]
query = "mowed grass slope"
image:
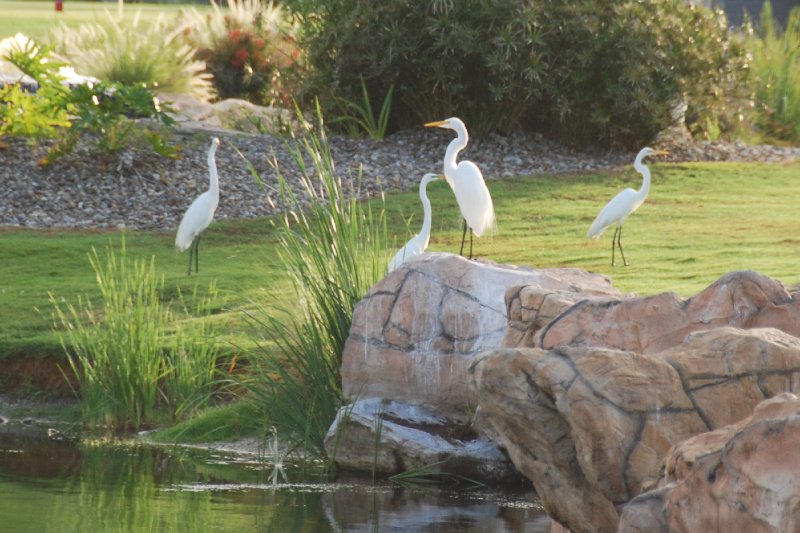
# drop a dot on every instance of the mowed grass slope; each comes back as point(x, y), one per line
point(700, 221)
point(36, 18)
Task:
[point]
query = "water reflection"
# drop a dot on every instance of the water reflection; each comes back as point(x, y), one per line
point(54, 485)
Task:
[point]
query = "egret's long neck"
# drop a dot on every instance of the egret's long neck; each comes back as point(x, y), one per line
point(645, 172)
point(455, 146)
point(213, 179)
point(426, 206)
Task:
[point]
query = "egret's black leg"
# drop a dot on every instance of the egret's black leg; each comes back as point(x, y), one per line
point(614, 245)
point(197, 255)
point(470, 243)
point(463, 238)
point(619, 242)
point(191, 252)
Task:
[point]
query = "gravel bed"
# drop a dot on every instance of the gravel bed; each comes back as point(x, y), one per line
point(139, 189)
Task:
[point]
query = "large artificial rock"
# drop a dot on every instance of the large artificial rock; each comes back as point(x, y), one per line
point(411, 342)
point(416, 332)
point(739, 478)
point(654, 323)
point(585, 389)
point(590, 426)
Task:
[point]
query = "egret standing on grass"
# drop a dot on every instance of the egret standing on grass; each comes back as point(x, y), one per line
point(419, 242)
point(623, 204)
point(466, 180)
point(200, 213)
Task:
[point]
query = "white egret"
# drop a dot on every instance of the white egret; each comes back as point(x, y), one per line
point(200, 213)
point(419, 242)
point(467, 182)
point(623, 204)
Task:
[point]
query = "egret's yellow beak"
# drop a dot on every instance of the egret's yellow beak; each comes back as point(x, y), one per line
point(660, 152)
point(435, 124)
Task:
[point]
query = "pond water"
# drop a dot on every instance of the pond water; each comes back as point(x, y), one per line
point(53, 484)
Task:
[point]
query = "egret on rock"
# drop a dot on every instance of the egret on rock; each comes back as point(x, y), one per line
point(623, 204)
point(200, 213)
point(419, 242)
point(467, 182)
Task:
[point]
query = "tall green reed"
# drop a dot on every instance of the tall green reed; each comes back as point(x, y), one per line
point(776, 70)
point(193, 356)
point(333, 248)
point(129, 355)
point(115, 351)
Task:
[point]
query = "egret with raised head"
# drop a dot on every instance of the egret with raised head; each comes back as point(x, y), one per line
point(623, 204)
point(419, 242)
point(200, 213)
point(467, 182)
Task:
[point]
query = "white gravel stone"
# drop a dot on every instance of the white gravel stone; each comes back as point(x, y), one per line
point(141, 190)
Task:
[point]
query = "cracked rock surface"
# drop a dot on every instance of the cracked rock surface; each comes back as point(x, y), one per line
point(416, 332)
point(589, 419)
point(741, 478)
point(411, 342)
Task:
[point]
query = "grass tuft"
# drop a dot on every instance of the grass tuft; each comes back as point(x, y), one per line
point(135, 51)
point(333, 248)
point(128, 355)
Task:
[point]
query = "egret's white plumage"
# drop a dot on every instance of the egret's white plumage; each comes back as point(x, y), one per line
point(623, 204)
point(201, 212)
point(467, 182)
point(419, 242)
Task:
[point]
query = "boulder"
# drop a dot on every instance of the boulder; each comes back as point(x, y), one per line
point(389, 437)
point(590, 426)
point(739, 478)
point(654, 323)
point(412, 340)
point(415, 333)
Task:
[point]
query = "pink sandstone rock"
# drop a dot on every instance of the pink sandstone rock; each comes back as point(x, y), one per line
point(416, 332)
point(652, 324)
point(591, 426)
point(740, 478)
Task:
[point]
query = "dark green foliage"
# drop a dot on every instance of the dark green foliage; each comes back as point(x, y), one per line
point(617, 70)
point(474, 58)
point(587, 71)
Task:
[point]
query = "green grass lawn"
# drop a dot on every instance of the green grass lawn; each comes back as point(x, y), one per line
point(36, 18)
point(699, 222)
point(237, 256)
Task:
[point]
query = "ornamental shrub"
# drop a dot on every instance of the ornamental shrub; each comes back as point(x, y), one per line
point(477, 59)
point(600, 72)
point(618, 70)
point(249, 49)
